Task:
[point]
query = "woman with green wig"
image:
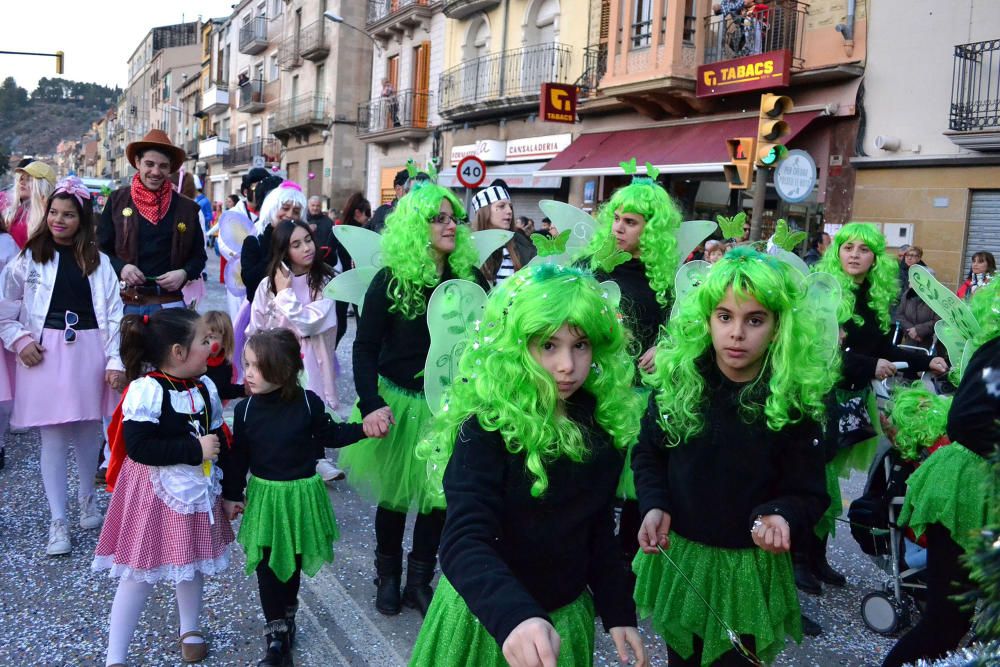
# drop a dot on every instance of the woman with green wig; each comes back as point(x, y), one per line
point(423, 244)
point(640, 221)
point(949, 499)
point(527, 450)
point(729, 467)
point(869, 283)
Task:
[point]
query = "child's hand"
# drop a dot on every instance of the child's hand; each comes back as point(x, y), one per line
point(31, 355)
point(772, 534)
point(209, 447)
point(376, 423)
point(115, 380)
point(628, 636)
point(654, 531)
point(647, 362)
point(282, 279)
point(232, 508)
point(371, 431)
point(533, 643)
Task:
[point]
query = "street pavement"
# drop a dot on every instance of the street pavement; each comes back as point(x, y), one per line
point(54, 611)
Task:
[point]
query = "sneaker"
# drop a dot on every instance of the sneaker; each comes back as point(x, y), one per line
point(328, 471)
point(90, 516)
point(59, 543)
point(19, 431)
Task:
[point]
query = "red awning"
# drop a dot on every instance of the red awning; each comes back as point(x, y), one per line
point(686, 148)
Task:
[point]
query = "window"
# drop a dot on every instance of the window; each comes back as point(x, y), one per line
point(275, 9)
point(241, 135)
point(258, 72)
point(642, 23)
point(272, 67)
point(270, 125)
point(690, 21)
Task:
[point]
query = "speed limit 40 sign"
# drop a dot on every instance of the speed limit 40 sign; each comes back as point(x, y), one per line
point(471, 171)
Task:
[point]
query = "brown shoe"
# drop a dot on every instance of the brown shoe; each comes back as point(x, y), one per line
point(193, 652)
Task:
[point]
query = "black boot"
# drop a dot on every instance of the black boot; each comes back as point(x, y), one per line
point(821, 566)
point(290, 612)
point(811, 628)
point(804, 579)
point(277, 652)
point(417, 593)
point(389, 570)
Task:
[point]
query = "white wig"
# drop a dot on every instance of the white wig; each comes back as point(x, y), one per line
point(288, 192)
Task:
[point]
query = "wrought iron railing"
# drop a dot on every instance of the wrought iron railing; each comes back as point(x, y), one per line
point(312, 39)
point(975, 87)
point(301, 111)
point(379, 9)
point(251, 94)
point(240, 155)
point(777, 27)
point(505, 78)
point(595, 64)
point(405, 109)
point(289, 54)
point(254, 31)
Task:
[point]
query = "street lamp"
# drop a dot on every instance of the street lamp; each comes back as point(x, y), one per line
point(337, 18)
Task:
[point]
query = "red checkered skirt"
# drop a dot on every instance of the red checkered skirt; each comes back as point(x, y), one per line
point(146, 540)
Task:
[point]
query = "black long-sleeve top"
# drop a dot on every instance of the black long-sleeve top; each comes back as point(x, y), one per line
point(866, 343)
point(220, 370)
point(512, 556)
point(974, 417)
point(716, 483)
point(390, 345)
point(643, 313)
point(280, 440)
point(254, 258)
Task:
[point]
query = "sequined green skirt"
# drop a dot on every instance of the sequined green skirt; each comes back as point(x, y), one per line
point(452, 636)
point(387, 471)
point(827, 524)
point(752, 590)
point(954, 488)
point(626, 482)
point(291, 519)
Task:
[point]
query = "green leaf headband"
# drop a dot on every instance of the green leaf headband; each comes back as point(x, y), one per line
point(631, 169)
point(430, 172)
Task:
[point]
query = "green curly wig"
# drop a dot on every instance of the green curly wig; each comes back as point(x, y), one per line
point(502, 384)
point(883, 276)
point(920, 416)
point(407, 230)
point(985, 307)
point(658, 243)
point(797, 371)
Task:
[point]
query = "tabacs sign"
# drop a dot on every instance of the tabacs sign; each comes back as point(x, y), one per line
point(558, 103)
point(764, 70)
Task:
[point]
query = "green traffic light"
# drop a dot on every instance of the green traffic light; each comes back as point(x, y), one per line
point(770, 158)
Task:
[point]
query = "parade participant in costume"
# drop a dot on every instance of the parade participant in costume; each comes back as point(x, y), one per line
point(288, 525)
point(642, 221)
point(528, 451)
point(151, 234)
point(728, 468)
point(948, 499)
point(8, 250)
point(422, 245)
point(60, 317)
point(165, 521)
point(984, 267)
point(869, 283)
point(24, 210)
point(220, 361)
point(491, 209)
point(284, 202)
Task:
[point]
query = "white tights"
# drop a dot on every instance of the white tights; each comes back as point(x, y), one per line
point(55, 444)
point(130, 600)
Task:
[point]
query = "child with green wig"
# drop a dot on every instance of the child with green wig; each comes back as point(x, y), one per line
point(869, 282)
point(641, 220)
point(729, 466)
point(423, 245)
point(948, 499)
point(528, 450)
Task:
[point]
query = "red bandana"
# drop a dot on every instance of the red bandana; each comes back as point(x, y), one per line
point(152, 205)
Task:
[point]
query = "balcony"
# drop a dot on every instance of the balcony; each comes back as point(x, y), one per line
point(392, 18)
point(191, 147)
point(402, 117)
point(253, 36)
point(460, 9)
point(778, 27)
point(595, 65)
point(289, 54)
point(239, 156)
point(212, 147)
point(502, 81)
point(216, 98)
point(974, 117)
point(300, 115)
point(251, 96)
point(312, 42)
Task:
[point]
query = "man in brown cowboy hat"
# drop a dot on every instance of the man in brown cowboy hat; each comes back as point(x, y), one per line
point(150, 232)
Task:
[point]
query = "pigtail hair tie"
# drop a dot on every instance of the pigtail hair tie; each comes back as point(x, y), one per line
point(145, 319)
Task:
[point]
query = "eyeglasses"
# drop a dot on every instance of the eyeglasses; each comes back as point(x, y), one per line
point(444, 219)
point(71, 320)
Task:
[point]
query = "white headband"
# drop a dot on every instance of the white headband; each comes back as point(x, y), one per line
point(487, 196)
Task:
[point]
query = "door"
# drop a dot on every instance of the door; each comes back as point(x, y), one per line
point(984, 227)
point(421, 83)
point(314, 185)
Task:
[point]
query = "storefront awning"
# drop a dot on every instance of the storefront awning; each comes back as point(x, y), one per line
point(688, 148)
point(524, 175)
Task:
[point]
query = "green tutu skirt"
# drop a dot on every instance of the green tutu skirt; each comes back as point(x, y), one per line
point(387, 471)
point(827, 524)
point(752, 590)
point(291, 519)
point(953, 487)
point(626, 482)
point(452, 636)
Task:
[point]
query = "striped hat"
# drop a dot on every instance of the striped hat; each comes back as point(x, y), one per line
point(487, 196)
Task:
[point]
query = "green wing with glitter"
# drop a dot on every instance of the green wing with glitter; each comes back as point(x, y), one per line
point(454, 312)
point(691, 233)
point(351, 286)
point(565, 218)
point(488, 241)
point(823, 298)
point(960, 327)
point(689, 276)
point(363, 245)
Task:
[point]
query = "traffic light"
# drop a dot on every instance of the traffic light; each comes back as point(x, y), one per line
point(59, 62)
point(739, 171)
point(772, 128)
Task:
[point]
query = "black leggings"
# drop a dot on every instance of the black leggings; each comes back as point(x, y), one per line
point(277, 596)
point(944, 622)
point(389, 528)
point(728, 659)
point(340, 307)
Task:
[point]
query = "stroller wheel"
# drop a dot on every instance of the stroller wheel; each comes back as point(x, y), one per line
point(884, 614)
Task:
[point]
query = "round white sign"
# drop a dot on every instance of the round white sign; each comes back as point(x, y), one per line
point(795, 177)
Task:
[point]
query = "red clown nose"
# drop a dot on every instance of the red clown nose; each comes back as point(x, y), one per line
point(215, 348)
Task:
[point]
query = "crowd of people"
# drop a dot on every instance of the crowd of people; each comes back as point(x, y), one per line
point(644, 452)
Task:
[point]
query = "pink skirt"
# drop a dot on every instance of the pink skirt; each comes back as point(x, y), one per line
point(75, 371)
point(146, 540)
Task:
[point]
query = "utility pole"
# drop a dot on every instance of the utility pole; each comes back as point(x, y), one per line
point(759, 194)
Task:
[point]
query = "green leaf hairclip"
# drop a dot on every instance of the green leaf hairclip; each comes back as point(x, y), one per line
point(411, 168)
point(608, 256)
point(786, 239)
point(732, 228)
point(630, 168)
point(547, 247)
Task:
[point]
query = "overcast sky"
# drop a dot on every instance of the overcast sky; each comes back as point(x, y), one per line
point(98, 36)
